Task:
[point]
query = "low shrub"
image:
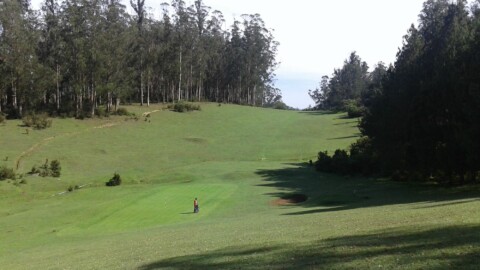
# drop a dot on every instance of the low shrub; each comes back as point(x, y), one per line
point(37, 121)
point(101, 112)
point(122, 112)
point(54, 170)
point(361, 159)
point(184, 107)
point(324, 162)
point(34, 170)
point(7, 173)
point(114, 181)
point(2, 118)
point(353, 108)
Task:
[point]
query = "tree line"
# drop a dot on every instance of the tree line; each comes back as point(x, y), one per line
point(72, 56)
point(422, 118)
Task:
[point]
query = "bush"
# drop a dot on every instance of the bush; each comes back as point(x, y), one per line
point(37, 121)
point(184, 107)
point(2, 118)
point(115, 181)
point(55, 168)
point(101, 112)
point(280, 105)
point(362, 157)
point(122, 111)
point(341, 162)
point(7, 173)
point(34, 170)
point(324, 162)
point(353, 109)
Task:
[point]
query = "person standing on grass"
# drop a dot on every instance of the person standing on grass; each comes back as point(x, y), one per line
point(195, 206)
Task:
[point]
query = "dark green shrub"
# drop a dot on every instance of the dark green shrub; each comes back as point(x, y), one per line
point(7, 173)
point(70, 189)
point(34, 170)
point(45, 170)
point(2, 118)
point(353, 109)
point(55, 168)
point(115, 181)
point(341, 162)
point(101, 112)
point(185, 107)
point(280, 105)
point(324, 162)
point(362, 157)
point(122, 111)
point(23, 182)
point(37, 121)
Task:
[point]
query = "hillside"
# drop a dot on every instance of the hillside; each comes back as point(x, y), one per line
point(243, 163)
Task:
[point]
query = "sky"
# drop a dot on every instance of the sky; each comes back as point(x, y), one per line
point(316, 36)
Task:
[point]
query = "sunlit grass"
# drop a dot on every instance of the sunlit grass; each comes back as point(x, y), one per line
point(236, 160)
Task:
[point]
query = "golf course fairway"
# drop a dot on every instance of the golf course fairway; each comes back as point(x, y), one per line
point(244, 165)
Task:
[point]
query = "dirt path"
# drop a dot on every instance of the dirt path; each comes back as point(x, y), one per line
point(47, 140)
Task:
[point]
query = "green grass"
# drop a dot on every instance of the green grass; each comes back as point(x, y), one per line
point(236, 160)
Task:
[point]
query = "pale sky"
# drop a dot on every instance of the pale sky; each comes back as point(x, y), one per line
point(316, 36)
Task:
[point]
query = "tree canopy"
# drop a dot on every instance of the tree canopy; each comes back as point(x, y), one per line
point(422, 118)
point(72, 56)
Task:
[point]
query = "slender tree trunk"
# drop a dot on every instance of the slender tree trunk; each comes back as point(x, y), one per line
point(141, 87)
point(117, 103)
point(14, 95)
point(58, 87)
point(180, 81)
point(93, 100)
point(149, 85)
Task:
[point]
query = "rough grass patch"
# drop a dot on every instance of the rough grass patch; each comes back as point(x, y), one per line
point(7, 173)
point(37, 121)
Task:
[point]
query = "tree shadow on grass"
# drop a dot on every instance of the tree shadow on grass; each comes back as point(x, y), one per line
point(408, 247)
point(319, 112)
point(356, 135)
point(328, 192)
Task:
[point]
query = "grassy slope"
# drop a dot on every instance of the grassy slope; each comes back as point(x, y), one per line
point(236, 160)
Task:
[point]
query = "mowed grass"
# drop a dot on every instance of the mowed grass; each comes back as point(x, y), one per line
point(237, 161)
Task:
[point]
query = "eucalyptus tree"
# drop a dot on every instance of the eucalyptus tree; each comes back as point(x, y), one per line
point(140, 11)
point(19, 60)
point(50, 48)
point(215, 57)
point(114, 73)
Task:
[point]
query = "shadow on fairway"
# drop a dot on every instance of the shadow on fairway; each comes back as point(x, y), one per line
point(329, 192)
point(357, 135)
point(318, 112)
point(410, 247)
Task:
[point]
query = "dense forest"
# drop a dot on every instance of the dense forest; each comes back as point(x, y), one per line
point(422, 117)
point(71, 57)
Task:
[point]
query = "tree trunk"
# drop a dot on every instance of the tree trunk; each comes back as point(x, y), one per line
point(117, 103)
point(14, 95)
point(149, 85)
point(58, 87)
point(180, 81)
point(141, 88)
